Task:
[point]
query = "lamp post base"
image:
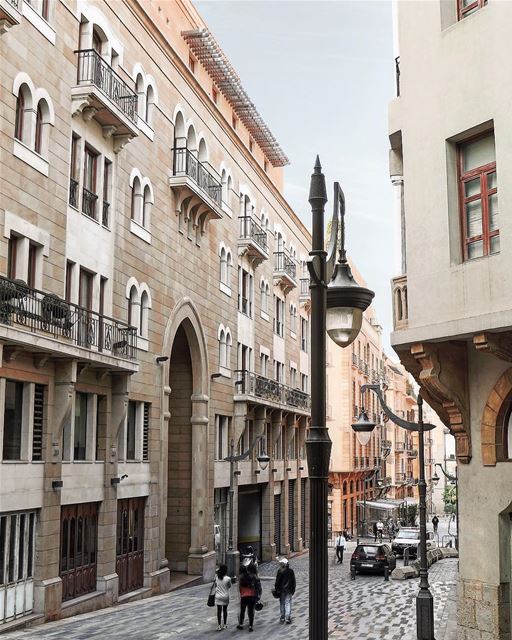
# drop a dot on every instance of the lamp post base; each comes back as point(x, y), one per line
point(233, 564)
point(425, 615)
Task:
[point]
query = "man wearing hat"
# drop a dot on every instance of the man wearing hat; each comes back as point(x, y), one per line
point(285, 587)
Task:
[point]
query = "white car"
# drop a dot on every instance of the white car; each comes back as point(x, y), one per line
point(409, 537)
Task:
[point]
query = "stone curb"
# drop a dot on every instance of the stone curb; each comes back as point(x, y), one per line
point(413, 569)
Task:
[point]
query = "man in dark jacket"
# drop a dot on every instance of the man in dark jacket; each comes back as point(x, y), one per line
point(285, 587)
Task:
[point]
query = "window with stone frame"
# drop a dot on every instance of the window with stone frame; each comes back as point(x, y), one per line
point(467, 7)
point(221, 436)
point(478, 197)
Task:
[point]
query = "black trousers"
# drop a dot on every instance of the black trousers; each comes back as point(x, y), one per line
point(222, 609)
point(339, 553)
point(247, 602)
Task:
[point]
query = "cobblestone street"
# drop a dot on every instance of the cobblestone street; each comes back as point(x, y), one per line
point(365, 609)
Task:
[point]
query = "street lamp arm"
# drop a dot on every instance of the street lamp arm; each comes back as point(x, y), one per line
point(405, 424)
point(337, 226)
point(447, 475)
point(245, 454)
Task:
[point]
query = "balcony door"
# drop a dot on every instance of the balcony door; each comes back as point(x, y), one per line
point(86, 322)
point(130, 544)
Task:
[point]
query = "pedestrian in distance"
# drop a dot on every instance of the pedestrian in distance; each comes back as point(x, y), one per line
point(250, 591)
point(435, 522)
point(375, 531)
point(341, 543)
point(222, 587)
point(285, 586)
point(380, 530)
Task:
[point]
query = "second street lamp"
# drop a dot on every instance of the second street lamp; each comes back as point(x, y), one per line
point(424, 599)
point(337, 305)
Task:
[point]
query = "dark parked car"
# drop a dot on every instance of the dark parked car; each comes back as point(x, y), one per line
point(372, 558)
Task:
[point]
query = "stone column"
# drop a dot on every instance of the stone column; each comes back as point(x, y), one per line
point(107, 578)
point(201, 560)
point(59, 415)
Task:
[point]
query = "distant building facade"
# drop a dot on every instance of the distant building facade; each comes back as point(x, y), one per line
point(451, 161)
point(153, 307)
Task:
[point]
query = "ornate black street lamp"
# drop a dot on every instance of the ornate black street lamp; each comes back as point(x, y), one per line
point(232, 556)
point(453, 480)
point(337, 306)
point(424, 599)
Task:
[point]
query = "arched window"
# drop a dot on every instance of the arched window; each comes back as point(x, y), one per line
point(224, 273)
point(133, 308)
point(136, 206)
point(229, 344)
point(222, 348)
point(39, 128)
point(150, 104)
point(398, 305)
point(263, 297)
point(146, 207)
point(229, 191)
point(293, 318)
point(20, 114)
point(144, 315)
point(224, 182)
point(508, 433)
point(141, 96)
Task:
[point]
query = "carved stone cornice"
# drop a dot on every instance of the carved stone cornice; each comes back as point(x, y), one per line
point(495, 344)
point(441, 371)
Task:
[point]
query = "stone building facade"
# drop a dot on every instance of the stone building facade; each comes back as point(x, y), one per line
point(451, 158)
point(153, 308)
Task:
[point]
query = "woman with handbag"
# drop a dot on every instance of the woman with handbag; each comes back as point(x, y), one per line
point(220, 592)
point(250, 592)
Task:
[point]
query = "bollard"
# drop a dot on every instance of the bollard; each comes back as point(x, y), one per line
point(406, 557)
point(386, 573)
point(352, 572)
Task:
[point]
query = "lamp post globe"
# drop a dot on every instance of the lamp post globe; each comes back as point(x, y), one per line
point(346, 302)
point(363, 428)
point(263, 460)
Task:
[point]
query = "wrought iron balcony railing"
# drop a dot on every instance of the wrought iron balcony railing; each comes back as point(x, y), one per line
point(283, 263)
point(105, 213)
point(354, 359)
point(253, 384)
point(356, 462)
point(92, 68)
point(185, 163)
point(39, 312)
point(399, 446)
point(73, 193)
point(251, 230)
point(412, 453)
point(400, 477)
point(89, 203)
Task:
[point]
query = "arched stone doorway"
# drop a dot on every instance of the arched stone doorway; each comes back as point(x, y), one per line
point(188, 523)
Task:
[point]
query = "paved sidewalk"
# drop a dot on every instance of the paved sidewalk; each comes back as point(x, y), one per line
point(365, 609)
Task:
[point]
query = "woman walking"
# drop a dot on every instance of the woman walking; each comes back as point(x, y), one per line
point(222, 587)
point(250, 592)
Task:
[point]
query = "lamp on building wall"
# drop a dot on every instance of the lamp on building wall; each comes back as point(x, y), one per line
point(424, 599)
point(337, 306)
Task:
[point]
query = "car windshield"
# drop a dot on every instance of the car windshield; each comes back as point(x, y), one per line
point(408, 534)
point(370, 551)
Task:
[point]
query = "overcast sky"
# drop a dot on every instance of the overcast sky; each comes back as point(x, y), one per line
point(321, 74)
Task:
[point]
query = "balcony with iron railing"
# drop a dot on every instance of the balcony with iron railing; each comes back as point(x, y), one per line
point(51, 324)
point(89, 200)
point(268, 391)
point(412, 453)
point(10, 13)
point(354, 359)
point(102, 94)
point(195, 184)
point(399, 446)
point(105, 214)
point(356, 462)
point(285, 270)
point(399, 477)
point(252, 240)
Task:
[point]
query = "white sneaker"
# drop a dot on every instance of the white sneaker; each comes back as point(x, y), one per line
point(219, 628)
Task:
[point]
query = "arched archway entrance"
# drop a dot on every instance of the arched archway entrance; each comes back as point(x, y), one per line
point(188, 525)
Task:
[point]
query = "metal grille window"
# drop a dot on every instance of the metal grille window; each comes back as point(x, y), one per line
point(145, 432)
point(38, 422)
point(130, 544)
point(78, 545)
point(478, 197)
point(17, 536)
point(291, 514)
point(277, 523)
